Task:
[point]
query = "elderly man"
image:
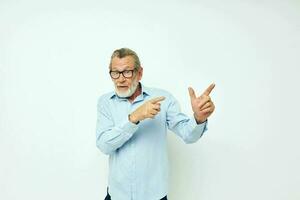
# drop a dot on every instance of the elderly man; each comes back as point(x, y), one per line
point(132, 125)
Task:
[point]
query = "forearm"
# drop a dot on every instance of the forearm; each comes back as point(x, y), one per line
point(110, 139)
point(189, 130)
point(198, 131)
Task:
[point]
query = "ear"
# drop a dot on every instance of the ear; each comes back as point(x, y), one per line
point(140, 73)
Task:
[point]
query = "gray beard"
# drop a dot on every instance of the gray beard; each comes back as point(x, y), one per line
point(129, 92)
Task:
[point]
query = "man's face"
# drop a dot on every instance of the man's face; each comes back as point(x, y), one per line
point(125, 87)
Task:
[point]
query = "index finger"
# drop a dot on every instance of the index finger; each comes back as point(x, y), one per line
point(157, 99)
point(209, 89)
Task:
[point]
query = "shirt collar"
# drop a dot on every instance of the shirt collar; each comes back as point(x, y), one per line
point(145, 91)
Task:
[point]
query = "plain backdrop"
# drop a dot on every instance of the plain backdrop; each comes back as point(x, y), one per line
point(54, 58)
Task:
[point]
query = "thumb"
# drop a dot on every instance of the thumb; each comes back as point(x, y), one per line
point(192, 93)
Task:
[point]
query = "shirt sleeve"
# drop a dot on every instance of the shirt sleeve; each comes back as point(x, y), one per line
point(182, 125)
point(110, 137)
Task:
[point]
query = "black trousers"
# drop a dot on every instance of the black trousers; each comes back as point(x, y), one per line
point(108, 197)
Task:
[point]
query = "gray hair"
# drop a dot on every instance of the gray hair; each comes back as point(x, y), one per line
point(123, 52)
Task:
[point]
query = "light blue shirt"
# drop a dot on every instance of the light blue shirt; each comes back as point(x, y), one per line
point(138, 157)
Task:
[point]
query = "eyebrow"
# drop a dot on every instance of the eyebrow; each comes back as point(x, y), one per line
point(126, 68)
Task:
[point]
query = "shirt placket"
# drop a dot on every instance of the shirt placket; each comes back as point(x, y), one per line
point(130, 108)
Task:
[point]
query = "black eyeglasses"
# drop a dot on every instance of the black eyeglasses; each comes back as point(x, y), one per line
point(125, 73)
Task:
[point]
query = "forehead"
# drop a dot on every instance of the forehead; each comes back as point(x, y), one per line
point(120, 64)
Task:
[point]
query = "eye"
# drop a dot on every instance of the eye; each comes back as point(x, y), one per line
point(127, 72)
point(114, 72)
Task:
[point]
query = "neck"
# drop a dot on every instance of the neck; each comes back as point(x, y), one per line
point(137, 92)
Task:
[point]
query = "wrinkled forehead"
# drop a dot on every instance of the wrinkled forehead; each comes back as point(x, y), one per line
point(120, 64)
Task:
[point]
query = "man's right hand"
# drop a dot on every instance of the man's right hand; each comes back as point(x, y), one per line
point(148, 110)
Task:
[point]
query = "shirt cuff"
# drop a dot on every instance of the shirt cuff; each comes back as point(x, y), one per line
point(128, 127)
point(202, 127)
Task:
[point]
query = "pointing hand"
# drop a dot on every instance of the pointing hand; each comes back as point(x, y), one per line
point(147, 110)
point(202, 106)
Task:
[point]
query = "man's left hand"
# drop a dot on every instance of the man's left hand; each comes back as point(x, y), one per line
point(202, 106)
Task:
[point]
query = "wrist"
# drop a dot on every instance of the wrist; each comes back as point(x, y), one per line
point(199, 120)
point(133, 119)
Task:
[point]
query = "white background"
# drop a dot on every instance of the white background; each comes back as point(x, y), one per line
point(54, 59)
